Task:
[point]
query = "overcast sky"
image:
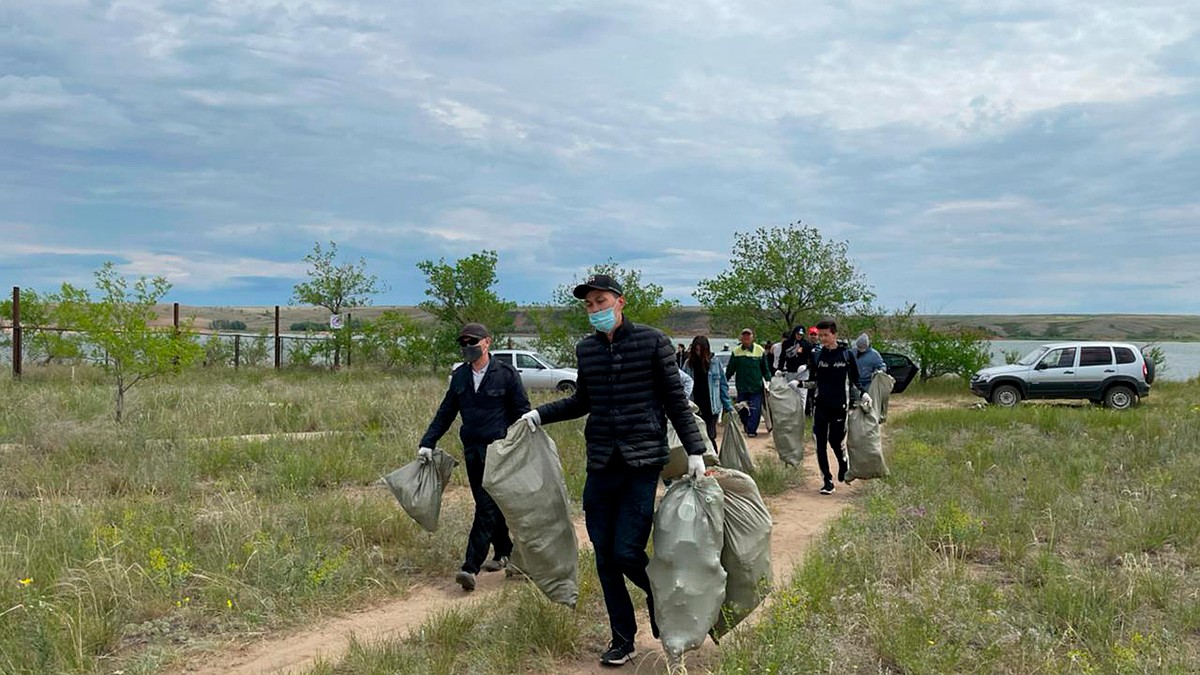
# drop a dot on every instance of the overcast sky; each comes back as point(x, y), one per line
point(999, 156)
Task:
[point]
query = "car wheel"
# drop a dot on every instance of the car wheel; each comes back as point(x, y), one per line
point(566, 387)
point(1006, 396)
point(1120, 397)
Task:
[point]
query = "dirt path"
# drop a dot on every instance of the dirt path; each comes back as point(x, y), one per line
point(799, 515)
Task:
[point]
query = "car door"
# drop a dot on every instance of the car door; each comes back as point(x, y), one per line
point(901, 368)
point(1054, 374)
point(533, 374)
point(1095, 366)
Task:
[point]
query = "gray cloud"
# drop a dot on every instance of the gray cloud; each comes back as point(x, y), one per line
point(973, 154)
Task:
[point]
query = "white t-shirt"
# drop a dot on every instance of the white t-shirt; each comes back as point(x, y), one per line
point(477, 375)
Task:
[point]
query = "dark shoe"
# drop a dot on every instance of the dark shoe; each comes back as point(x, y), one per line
point(827, 489)
point(465, 579)
point(618, 654)
point(752, 434)
point(495, 565)
point(653, 621)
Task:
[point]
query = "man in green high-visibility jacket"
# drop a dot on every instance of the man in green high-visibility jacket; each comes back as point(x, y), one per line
point(748, 368)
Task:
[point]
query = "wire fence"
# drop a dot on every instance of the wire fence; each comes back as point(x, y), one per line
point(22, 344)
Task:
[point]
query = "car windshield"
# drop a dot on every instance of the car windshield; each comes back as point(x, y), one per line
point(1032, 357)
point(548, 363)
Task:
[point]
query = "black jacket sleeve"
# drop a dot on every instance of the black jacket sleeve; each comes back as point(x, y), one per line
point(675, 403)
point(444, 417)
point(570, 407)
point(516, 401)
point(852, 374)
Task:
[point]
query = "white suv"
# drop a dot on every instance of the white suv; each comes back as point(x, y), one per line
point(1113, 373)
point(537, 372)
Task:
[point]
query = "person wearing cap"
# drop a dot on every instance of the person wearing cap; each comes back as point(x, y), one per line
point(868, 360)
point(794, 360)
point(815, 345)
point(629, 386)
point(490, 397)
point(748, 369)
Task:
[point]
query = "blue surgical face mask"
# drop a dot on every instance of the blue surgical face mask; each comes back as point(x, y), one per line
point(604, 320)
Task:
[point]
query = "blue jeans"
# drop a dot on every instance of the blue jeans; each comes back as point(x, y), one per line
point(751, 417)
point(618, 509)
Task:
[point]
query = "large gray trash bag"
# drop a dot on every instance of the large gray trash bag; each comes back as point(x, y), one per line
point(524, 475)
point(686, 576)
point(880, 391)
point(418, 486)
point(787, 413)
point(734, 453)
point(864, 443)
point(677, 461)
point(746, 556)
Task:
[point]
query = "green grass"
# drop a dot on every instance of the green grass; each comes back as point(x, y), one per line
point(514, 630)
point(1042, 539)
point(126, 546)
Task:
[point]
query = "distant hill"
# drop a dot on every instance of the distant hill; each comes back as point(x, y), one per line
point(693, 320)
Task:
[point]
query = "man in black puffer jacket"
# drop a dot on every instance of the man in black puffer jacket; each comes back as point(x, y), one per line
point(629, 385)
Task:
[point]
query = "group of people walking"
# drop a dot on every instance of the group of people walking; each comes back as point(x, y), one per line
point(629, 383)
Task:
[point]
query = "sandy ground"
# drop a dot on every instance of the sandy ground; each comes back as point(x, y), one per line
point(799, 515)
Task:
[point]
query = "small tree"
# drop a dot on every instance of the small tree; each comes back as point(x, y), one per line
point(118, 322)
point(563, 322)
point(779, 276)
point(397, 340)
point(335, 287)
point(463, 292)
point(948, 352)
point(43, 341)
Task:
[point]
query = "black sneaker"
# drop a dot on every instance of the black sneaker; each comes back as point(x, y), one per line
point(653, 621)
point(827, 489)
point(465, 579)
point(618, 654)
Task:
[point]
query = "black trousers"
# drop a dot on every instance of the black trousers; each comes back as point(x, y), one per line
point(488, 528)
point(710, 424)
point(829, 428)
point(618, 507)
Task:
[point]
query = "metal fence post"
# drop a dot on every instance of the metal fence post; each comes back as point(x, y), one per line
point(278, 342)
point(237, 350)
point(175, 333)
point(349, 335)
point(16, 327)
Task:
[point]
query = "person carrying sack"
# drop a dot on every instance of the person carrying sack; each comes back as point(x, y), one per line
point(834, 368)
point(489, 395)
point(628, 385)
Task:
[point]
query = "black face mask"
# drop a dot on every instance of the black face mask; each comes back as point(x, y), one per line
point(471, 353)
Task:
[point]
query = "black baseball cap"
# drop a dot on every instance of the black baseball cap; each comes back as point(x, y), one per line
point(474, 330)
point(598, 282)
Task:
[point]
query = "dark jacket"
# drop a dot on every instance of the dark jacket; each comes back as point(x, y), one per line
point(487, 413)
point(628, 388)
point(796, 353)
point(833, 369)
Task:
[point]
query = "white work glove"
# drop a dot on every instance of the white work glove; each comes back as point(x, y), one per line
point(533, 419)
point(794, 384)
point(695, 466)
point(866, 400)
point(424, 454)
